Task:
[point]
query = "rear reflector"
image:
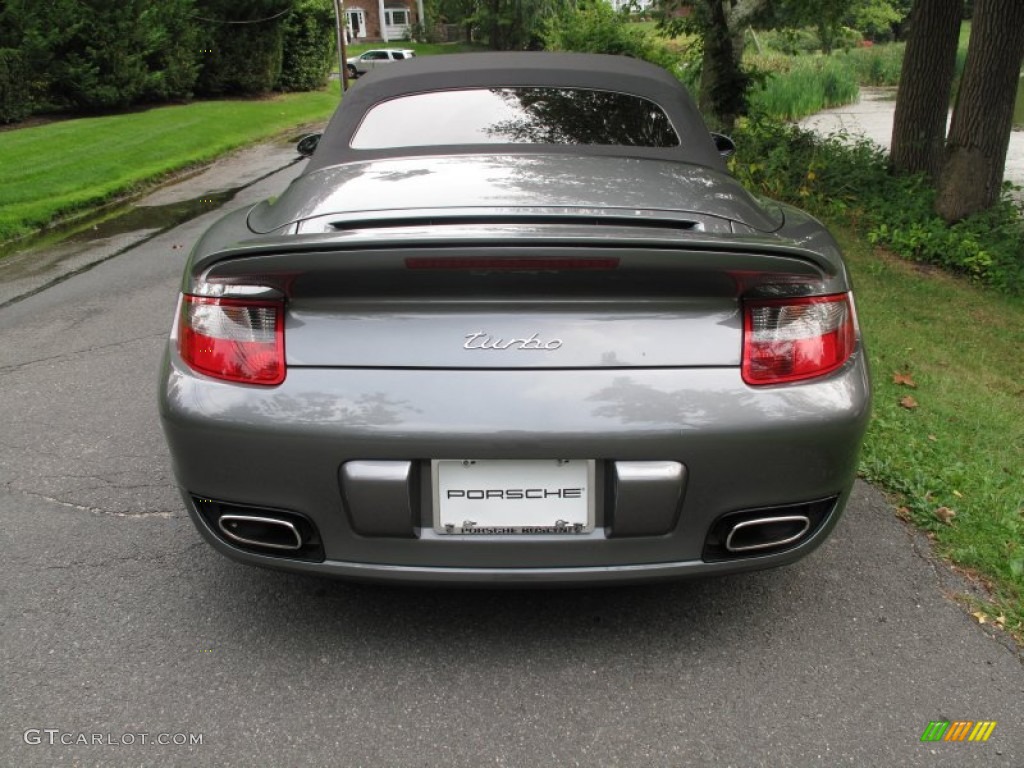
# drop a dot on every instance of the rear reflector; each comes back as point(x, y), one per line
point(233, 339)
point(794, 339)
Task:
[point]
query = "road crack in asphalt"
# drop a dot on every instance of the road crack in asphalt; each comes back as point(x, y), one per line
point(155, 513)
point(108, 482)
point(109, 562)
point(17, 367)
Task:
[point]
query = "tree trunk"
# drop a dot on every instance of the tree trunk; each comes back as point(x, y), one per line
point(496, 25)
point(983, 116)
point(723, 84)
point(919, 127)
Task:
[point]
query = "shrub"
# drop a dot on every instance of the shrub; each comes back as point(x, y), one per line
point(15, 99)
point(790, 42)
point(98, 54)
point(174, 62)
point(597, 28)
point(308, 46)
point(242, 47)
point(851, 181)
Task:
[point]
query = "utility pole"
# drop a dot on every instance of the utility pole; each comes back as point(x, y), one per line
point(339, 14)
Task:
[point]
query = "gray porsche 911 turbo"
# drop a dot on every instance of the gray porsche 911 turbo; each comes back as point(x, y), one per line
point(515, 323)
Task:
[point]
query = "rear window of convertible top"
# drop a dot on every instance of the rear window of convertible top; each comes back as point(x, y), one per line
point(517, 115)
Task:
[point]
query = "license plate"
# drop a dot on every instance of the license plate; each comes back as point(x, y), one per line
point(496, 497)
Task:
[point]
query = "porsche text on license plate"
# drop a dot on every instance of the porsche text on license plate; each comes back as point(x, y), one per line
point(485, 497)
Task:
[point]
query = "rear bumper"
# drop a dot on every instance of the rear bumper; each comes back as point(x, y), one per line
point(487, 577)
point(742, 448)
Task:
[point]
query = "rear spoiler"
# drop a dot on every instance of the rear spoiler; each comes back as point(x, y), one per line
point(533, 260)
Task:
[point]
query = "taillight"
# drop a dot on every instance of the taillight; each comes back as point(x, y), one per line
point(794, 339)
point(233, 339)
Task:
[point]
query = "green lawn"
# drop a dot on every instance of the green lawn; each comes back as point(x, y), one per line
point(953, 454)
point(422, 49)
point(59, 168)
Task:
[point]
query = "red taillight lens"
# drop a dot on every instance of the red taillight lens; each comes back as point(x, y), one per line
point(793, 339)
point(233, 339)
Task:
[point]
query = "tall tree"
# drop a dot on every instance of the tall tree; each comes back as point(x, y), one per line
point(829, 17)
point(724, 83)
point(983, 116)
point(516, 25)
point(926, 80)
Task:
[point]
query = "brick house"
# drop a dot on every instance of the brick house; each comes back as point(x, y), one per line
point(363, 19)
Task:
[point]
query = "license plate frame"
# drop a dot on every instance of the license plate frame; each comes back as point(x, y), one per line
point(513, 497)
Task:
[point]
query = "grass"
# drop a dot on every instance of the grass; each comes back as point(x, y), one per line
point(876, 66)
point(804, 85)
point(60, 168)
point(953, 454)
point(422, 49)
point(78, 165)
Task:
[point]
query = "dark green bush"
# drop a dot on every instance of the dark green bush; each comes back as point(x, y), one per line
point(308, 47)
point(597, 28)
point(99, 52)
point(241, 50)
point(174, 62)
point(850, 181)
point(789, 41)
point(15, 100)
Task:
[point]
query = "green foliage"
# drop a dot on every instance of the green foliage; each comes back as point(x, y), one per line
point(807, 85)
point(243, 47)
point(106, 55)
point(791, 41)
point(79, 164)
point(837, 20)
point(956, 350)
point(597, 28)
point(724, 82)
point(878, 65)
point(851, 182)
point(308, 46)
point(17, 96)
point(515, 25)
point(15, 100)
point(875, 19)
point(97, 54)
point(173, 64)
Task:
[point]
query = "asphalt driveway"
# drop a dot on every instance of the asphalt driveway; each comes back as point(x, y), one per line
point(118, 624)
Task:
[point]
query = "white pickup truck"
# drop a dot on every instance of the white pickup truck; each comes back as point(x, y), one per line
point(360, 65)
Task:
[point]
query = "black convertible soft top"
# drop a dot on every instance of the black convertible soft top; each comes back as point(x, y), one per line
point(560, 70)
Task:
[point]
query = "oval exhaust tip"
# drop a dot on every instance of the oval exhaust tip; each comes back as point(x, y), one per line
point(255, 531)
point(766, 533)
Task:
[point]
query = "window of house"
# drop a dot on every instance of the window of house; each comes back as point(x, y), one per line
point(396, 17)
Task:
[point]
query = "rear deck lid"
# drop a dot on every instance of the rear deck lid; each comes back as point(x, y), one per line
point(485, 186)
